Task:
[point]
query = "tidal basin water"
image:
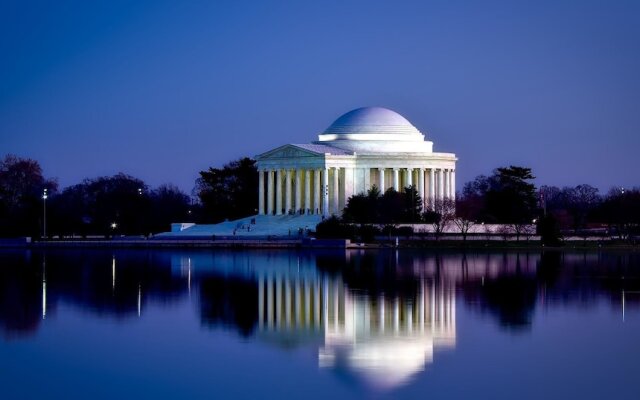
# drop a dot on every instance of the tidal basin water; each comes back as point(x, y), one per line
point(319, 325)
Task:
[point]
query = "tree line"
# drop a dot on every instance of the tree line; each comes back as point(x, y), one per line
point(507, 197)
point(125, 205)
point(119, 204)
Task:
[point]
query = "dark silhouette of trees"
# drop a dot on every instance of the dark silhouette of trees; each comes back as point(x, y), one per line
point(21, 188)
point(549, 230)
point(389, 208)
point(363, 208)
point(505, 197)
point(467, 212)
point(168, 204)
point(229, 192)
point(572, 207)
point(620, 210)
point(117, 204)
point(440, 215)
point(95, 205)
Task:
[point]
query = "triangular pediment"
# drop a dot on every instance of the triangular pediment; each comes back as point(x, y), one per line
point(287, 151)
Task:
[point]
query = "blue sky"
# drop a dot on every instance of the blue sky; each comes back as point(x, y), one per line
point(161, 90)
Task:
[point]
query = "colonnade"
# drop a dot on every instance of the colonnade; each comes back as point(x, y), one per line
point(326, 191)
point(287, 303)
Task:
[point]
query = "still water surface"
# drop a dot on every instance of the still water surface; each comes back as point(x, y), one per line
point(325, 325)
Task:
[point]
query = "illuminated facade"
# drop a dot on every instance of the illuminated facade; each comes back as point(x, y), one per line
point(366, 147)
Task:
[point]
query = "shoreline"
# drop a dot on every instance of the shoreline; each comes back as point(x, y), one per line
point(305, 243)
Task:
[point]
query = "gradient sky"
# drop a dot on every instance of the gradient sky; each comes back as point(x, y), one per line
point(163, 89)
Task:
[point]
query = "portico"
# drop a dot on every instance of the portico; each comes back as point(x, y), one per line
point(364, 148)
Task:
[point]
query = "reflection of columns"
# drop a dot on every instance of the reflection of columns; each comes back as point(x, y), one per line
point(279, 192)
point(316, 191)
point(440, 184)
point(381, 179)
point(298, 196)
point(287, 302)
point(270, 302)
point(396, 179)
point(260, 301)
point(307, 191)
point(325, 302)
point(421, 186)
point(287, 188)
point(278, 302)
point(409, 176)
point(432, 187)
point(261, 192)
point(307, 304)
point(336, 190)
point(270, 192)
point(316, 304)
point(325, 192)
point(396, 315)
point(381, 306)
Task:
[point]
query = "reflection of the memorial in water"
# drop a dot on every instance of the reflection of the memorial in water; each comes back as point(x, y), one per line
point(378, 316)
point(385, 339)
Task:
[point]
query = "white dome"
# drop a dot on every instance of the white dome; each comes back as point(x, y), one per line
point(374, 130)
point(371, 120)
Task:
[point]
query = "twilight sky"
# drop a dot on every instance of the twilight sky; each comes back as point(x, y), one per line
point(163, 89)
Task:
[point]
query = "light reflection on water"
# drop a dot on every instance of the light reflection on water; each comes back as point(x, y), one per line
point(380, 319)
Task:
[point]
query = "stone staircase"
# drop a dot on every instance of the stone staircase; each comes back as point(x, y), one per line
point(265, 226)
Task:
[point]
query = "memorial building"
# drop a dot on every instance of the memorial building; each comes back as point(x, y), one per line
point(366, 147)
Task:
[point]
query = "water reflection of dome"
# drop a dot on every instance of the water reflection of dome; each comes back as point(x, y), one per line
point(382, 341)
point(383, 363)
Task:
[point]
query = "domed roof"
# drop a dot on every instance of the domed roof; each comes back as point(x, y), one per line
point(368, 120)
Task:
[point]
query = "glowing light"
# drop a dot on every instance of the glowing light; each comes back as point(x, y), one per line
point(139, 299)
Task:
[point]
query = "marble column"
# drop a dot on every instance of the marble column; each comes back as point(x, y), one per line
point(307, 191)
point(381, 180)
point(287, 187)
point(325, 192)
point(336, 190)
point(367, 179)
point(445, 184)
point(298, 196)
point(453, 184)
point(279, 192)
point(396, 179)
point(316, 191)
point(270, 192)
point(440, 184)
point(261, 192)
point(409, 176)
point(421, 186)
point(432, 187)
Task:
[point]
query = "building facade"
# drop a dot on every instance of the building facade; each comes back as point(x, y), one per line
point(366, 147)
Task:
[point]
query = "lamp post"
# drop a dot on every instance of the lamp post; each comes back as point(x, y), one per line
point(44, 213)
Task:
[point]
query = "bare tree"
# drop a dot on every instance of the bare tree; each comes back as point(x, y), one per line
point(440, 215)
point(467, 209)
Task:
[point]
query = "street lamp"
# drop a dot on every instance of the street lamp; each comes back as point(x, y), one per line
point(44, 213)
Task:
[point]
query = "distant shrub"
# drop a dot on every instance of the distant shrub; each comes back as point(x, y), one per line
point(404, 231)
point(368, 233)
point(334, 228)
